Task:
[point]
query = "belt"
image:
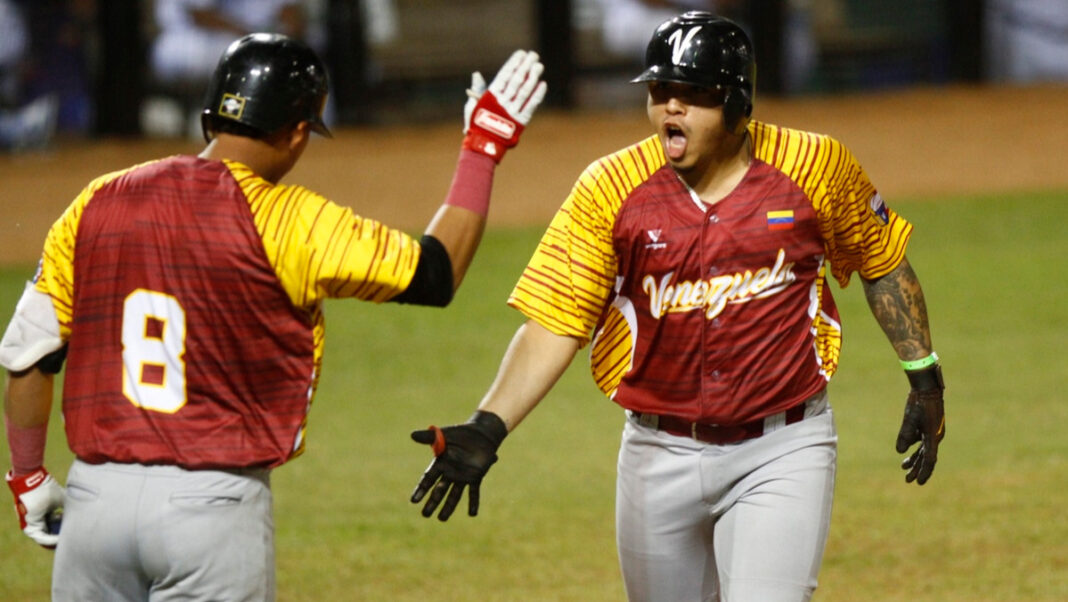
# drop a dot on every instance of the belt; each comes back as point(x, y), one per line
point(721, 435)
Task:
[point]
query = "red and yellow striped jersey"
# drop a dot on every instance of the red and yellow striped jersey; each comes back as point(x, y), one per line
point(190, 293)
point(721, 313)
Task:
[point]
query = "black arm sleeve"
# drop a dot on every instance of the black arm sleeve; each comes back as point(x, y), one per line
point(432, 282)
point(53, 362)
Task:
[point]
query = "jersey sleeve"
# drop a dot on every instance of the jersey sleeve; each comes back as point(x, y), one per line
point(322, 250)
point(55, 273)
point(572, 273)
point(861, 234)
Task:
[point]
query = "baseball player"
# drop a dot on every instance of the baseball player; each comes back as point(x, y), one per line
point(696, 262)
point(186, 296)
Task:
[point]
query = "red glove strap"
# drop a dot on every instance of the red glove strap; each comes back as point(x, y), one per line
point(29, 482)
point(481, 143)
point(438, 446)
point(492, 118)
point(492, 131)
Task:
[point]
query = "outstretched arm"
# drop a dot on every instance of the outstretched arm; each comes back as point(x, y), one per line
point(494, 118)
point(897, 302)
point(534, 361)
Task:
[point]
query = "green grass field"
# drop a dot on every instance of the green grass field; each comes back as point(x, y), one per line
point(989, 526)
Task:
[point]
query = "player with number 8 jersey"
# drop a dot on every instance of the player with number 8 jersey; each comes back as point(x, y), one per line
point(221, 331)
point(185, 296)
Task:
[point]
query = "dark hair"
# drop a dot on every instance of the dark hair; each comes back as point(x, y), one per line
point(219, 125)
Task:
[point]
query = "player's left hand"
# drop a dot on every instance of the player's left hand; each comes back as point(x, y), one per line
point(463, 455)
point(39, 503)
point(924, 422)
point(495, 117)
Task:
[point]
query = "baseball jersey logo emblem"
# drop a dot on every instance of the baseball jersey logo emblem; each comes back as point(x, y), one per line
point(232, 106)
point(680, 43)
point(654, 236)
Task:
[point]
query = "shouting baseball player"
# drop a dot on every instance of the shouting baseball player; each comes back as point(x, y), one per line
point(186, 296)
point(696, 261)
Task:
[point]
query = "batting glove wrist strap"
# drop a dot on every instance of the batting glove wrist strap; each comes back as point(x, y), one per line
point(492, 131)
point(490, 425)
point(38, 503)
point(926, 379)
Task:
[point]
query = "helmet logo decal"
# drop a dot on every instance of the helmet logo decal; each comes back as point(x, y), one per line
point(232, 106)
point(680, 43)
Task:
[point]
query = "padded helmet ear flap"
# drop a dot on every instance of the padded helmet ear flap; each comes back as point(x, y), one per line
point(737, 107)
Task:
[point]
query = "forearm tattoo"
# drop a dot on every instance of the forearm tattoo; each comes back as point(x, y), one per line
point(897, 302)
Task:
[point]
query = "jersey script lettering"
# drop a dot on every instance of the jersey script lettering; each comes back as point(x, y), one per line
point(713, 294)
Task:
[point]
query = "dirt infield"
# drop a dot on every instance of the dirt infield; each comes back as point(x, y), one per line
point(926, 142)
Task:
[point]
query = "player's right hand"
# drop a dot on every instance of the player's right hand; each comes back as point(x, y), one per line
point(463, 455)
point(495, 117)
point(39, 503)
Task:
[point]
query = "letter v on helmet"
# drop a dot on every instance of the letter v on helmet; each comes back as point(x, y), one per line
point(680, 43)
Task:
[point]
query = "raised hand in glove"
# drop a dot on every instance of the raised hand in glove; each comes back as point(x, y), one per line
point(494, 118)
point(463, 454)
point(39, 504)
point(924, 422)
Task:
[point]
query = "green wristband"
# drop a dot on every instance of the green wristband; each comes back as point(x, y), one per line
point(920, 364)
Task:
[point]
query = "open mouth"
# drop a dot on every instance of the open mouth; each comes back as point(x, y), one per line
point(674, 141)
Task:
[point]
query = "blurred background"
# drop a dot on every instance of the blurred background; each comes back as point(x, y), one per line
point(961, 102)
point(137, 68)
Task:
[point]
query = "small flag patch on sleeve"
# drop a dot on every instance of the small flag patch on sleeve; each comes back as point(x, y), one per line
point(878, 208)
point(780, 220)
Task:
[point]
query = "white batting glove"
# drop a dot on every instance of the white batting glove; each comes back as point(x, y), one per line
point(494, 118)
point(39, 503)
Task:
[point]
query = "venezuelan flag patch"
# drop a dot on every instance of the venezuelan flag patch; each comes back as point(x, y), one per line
point(878, 208)
point(780, 220)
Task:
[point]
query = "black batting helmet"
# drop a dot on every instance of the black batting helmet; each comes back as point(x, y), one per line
point(702, 49)
point(267, 82)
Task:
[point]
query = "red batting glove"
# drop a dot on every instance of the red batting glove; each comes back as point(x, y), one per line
point(39, 504)
point(494, 118)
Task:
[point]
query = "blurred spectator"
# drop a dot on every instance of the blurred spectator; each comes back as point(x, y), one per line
point(13, 43)
point(1028, 40)
point(26, 121)
point(192, 34)
point(627, 24)
point(186, 39)
point(380, 21)
point(800, 44)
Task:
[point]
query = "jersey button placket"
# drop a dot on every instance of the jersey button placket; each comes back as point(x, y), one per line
point(710, 375)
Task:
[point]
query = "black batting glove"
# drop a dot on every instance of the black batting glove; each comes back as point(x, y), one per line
point(463, 455)
point(924, 422)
